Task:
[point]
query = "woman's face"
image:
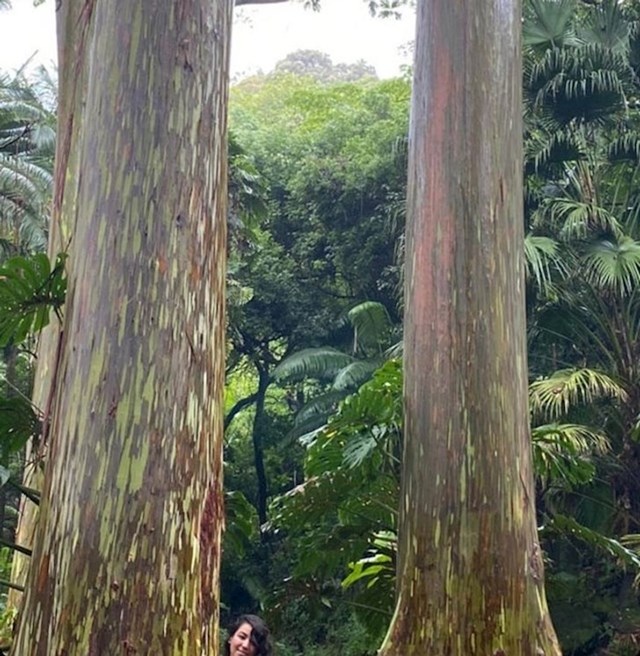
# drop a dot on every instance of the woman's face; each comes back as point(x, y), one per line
point(240, 641)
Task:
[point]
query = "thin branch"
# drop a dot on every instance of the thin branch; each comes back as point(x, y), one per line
point(30, 493)
point(238, 407)
point(15, 547)
point(15, 389)
point(13, 586)
point(373, 609)
point(25, 132)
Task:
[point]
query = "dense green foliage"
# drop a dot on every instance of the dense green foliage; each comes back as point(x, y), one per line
point(332, 157)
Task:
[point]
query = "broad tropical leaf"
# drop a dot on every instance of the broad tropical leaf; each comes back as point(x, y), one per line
point(18, 423)
point(349, 378)
point(320, 363)
point(241, 520)
point(322, 404)
point(29, 290)
point(372, 327)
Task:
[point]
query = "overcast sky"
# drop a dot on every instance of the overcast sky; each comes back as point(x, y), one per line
point(262, 35)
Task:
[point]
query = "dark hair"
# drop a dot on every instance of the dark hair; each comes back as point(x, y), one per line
point(260, 636)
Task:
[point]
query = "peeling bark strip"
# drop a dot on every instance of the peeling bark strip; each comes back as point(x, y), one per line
point(470, 571)
point(126, 559)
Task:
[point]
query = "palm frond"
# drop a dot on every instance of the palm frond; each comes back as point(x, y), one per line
point(247, 187)
point(547, 23)
point(578, 219)
point(21, 177)
point(624, 147)
point(562, 453)
point(319, 407)
point(542, 256)
point(567, 525)
point(543, 149)
point(395, 351)
point(306, 432)
point(614, 265)
point(585, 83)
point(554, 396)
point(607, 26)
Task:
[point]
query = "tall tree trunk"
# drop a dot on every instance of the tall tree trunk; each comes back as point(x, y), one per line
point(74, 27)
point(258, 441)
point(127, 552)
point(470, 577)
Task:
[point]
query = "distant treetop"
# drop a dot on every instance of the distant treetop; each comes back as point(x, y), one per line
point(319, 66)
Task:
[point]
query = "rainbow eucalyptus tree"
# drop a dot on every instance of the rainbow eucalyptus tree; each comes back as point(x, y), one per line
point(470, 577)
point(126, 553)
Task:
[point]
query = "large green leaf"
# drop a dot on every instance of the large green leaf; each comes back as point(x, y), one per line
point(29, 290)
point(372, 327)
point(355, 374)
point(607, 26)
point(241, 521)
point(321, 363)
point(18, 423)
point(543, 256)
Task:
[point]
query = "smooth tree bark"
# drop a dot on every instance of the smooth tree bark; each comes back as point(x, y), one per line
point(470, 577)
point(126, 556)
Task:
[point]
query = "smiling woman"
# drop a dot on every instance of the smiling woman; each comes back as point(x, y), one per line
point(248, 636)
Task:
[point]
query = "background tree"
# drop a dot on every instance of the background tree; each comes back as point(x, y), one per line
point(319, 66)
